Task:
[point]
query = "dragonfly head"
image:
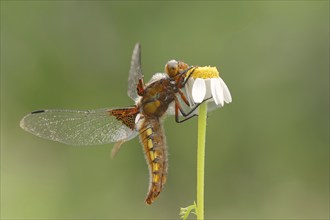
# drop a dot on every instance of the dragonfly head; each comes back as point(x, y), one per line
point(173, 68)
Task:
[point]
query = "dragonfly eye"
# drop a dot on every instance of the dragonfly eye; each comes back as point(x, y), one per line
point(171, 68)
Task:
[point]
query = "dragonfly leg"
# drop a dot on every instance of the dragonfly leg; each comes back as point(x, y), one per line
point(183, 97)
point(188, 77)
point(185, 114)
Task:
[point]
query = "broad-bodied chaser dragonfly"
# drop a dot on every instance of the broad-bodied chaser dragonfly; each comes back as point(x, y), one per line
point(161, 96)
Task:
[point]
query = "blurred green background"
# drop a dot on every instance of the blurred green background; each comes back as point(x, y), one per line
point(267, 153)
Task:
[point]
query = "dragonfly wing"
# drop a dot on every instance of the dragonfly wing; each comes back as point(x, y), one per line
point(74, 127)
point(135, 72)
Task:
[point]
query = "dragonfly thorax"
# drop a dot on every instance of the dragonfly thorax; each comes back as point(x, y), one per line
point(157, 97)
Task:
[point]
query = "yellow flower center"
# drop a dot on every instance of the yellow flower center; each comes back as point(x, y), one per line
point(204, 72)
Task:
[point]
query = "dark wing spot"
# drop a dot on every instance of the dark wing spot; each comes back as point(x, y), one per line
point(38, 111)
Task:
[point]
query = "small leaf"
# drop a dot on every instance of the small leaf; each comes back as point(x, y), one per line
point(184, 212)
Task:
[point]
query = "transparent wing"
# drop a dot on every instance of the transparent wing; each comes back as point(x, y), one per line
point(74, 127)
point(135, 72)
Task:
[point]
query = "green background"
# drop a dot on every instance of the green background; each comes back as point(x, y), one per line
point(267, 153)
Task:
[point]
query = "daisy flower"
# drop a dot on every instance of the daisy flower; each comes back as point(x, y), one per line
point(206, 84)
point(204, 87)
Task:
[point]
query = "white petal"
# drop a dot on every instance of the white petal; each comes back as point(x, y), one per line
point(208, 93)
point(198, 90)
point(217, 92)
point(188, 89)
point(226, 93)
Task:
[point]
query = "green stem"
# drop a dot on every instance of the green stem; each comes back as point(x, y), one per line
point(202, 114)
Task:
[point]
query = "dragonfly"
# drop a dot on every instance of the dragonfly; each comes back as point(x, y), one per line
point(162, 95)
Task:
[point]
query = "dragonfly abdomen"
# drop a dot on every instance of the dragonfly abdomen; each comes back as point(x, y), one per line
point(153, 140)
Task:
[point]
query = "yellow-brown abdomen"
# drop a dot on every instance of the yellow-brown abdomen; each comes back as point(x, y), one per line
point(153, 140)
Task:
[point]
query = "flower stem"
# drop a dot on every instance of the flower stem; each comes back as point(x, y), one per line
point(202, 114)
